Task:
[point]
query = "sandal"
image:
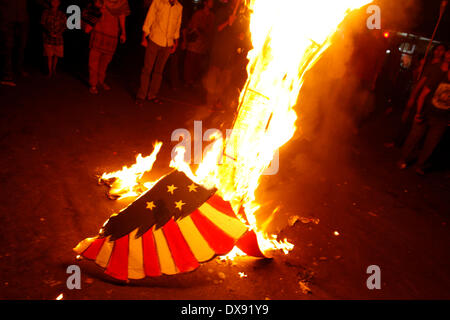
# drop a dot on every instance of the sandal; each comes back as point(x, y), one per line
point(93, 90)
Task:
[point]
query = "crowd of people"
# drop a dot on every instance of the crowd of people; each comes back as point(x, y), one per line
point(214, 41)
point(426, 115)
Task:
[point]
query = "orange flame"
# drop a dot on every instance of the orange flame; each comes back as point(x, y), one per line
point(288, 38)
point(125, 183)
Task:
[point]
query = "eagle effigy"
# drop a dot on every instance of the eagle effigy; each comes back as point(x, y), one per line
point(170, 229)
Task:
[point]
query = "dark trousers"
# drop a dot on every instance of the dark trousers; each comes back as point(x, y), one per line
point(98, 64)
point(154, 62)
point(13, 35)
point(193, 66)
point(433, 128)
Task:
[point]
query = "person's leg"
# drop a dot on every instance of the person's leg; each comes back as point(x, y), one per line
point(417, 132)
point(161, 59)
point(188, 67)
point(199, 66)
point(22, 34)
point(50, 65)
point(149, 60)
point(7, 38)
point(434, 135)
point(94, 59)
point(403, 129)
point(105, 59)
point(175, 69)
point(55, 62)
point(211, 83)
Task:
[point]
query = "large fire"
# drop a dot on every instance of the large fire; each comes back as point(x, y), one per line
point(288, 37)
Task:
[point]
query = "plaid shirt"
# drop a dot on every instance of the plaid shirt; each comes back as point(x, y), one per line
point(54, 23)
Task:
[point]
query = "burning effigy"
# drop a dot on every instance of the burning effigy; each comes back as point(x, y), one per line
point(186, 218)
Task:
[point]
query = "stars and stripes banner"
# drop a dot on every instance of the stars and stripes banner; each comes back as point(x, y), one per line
point(170, 229)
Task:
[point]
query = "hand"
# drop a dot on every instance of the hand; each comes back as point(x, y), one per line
point(173, 49)
point(144, 42)
point(123, 38)
point(88, 28)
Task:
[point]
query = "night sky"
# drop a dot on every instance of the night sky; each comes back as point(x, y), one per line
point(415, 16)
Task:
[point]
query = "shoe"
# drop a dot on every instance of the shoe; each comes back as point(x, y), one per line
point(93, 90)
point(105, 86)
point(155, 101)
point(139, 102)
point(8, 82)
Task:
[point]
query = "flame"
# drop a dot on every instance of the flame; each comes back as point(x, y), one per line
point(288, 37)
point(125, 183)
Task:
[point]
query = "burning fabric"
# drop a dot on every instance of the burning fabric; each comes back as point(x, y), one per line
point(168, 230)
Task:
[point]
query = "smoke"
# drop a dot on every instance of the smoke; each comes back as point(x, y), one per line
point(336, 96)
point(339, 93)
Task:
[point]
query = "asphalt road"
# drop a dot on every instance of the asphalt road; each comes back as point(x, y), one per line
point(56, 139)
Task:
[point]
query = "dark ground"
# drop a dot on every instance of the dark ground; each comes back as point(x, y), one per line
point(56, 139)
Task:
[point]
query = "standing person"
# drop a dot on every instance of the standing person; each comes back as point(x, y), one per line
point(431, 120)
point(198, 37)
point(161, 31)
point(428, 71)
point(54, 24)
point(14, 22)
point(224, 45)
point(104, 39)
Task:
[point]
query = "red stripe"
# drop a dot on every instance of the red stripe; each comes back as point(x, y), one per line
point(181, 253)
point(92, 251)
point(248, 243)
point(151, 261)
point(118, 263)
point(221, 205)
point(218, 240)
